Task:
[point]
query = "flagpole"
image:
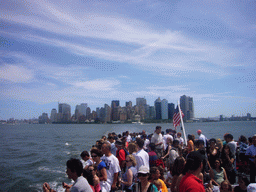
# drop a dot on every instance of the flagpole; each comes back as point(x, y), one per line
point(182, 124)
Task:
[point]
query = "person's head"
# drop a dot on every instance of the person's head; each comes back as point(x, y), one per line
point(140, 142)
point(228, 138)
point(243, 139)
point(199, 132)
point(178, 166)
point(74, 168)
point(217, 163)
point(194, 161)
point(158, 184)
point(212, 142)
point(226, 149)
point(106, 148)
point(225, 186)
point(219, 143)
point(111, 139)
point(254, 140)
point(88, 174)
point(190, 137)
point(243, 181)
point(130, 160)
point(85, 155)
point(152, 146)
point(143, 173)
point(179, 134)
point(132, 147)
point(154, 173)
point(176, 143)
point(104, 138)
point(119, 144)
point(96, 154)
point(169, 141)
point(158, 129)
point(200, 144)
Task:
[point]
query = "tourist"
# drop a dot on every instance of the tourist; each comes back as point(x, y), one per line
point(89, 176)
point(217, 173)
point(86, 160)
point(146, 142)
point(166, 137)
point(112, 142)
point(243, 183)
point(155, 175)
point(121, 153)
point(152, 155)
point(190, 144)
point(231, 143)
point(177, 169)
point(251, 154)
point(157, 139)
point(74, 172)
point(225, 186)
point(228, 160)
point(132, 148)
point(202, 137)
point(173, 152)
point(193, 167)
point(219, 144)
point(101, 166)
point(243, 160)
point(112, 167)
point(180, 139)
point(96, 181)
point(129, 176)
point(158, 185)
point(142, 157)
point(144, 185)
point(213, 152)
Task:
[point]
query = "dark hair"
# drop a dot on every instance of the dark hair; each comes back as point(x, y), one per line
point(158, 127)
point(250, 139)
point(153, 170)
point(176, 142)
point(212, 140)
point(228, 136)
point(200, 142)
point(140, 142)
point(243, 139)
point(152, 146)
point(178, 166)
point(97, 152)
point(245, 179)
point(84, 154)
point(88, 175)
point(217, 159)
point(223, 154)
point(190, 137)
point(75, 165)
point(194, 160)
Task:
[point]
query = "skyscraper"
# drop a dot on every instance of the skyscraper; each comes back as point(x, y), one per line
point(65, 111)
point(164, 109)
point(53, 115)
point(187, 107)
point(158, 108)
point(171, 107)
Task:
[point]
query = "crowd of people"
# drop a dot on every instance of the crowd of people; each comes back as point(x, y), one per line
point(161, 161)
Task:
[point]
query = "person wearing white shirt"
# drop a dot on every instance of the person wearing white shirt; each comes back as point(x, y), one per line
point(157, 139)
point(142, 157)
point(202, 137)
point(167, 136)
point(112, 167)
point(86, 160)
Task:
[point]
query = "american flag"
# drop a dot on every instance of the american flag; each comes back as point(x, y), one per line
point(176, 117)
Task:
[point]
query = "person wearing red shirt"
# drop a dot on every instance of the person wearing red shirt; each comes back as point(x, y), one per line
point(190, 182)
point(120, 153)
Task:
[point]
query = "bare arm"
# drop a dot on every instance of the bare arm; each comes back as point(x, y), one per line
point(129, 178)
point(114, 181)
point(225, 174)
point(104, 176)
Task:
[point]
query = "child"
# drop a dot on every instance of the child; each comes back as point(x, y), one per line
point(158, 184)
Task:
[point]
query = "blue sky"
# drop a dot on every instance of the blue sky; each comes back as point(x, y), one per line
point(96, 51)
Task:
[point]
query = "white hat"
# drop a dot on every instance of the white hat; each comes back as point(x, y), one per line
point(143, 169)
point(251, 187)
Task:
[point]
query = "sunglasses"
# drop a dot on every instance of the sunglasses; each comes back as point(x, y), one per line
point(127, 161)
point(142, 175)
point(94, 156)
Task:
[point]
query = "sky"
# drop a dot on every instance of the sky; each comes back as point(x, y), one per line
point(88, 51)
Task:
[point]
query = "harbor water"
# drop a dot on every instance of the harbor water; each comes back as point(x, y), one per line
point(32, 154)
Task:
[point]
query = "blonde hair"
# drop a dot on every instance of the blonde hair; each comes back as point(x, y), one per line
point(219, 143)
point(133, 160)
point(158, 184)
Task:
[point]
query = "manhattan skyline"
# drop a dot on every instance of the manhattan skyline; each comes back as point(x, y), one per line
point(98, 51)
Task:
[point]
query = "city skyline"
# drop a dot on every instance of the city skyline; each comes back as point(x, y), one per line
point(97, 51)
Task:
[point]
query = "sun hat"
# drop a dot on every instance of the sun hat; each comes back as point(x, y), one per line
point(251, 187)
point(143, 169)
